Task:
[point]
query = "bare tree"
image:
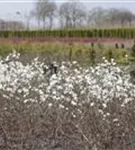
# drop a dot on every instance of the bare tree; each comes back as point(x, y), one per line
point(97, 16)
point(71, 14)
point(110, 17)
point(45, 11)
point(112, 14)
point(125, 16)
point(52, 7)
point(28, 18)
point(37, 12)
point(11, 25)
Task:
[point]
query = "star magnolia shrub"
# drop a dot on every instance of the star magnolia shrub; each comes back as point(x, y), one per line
point(72, 83)
point(94, 104)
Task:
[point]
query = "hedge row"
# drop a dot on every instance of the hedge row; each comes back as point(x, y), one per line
point(99, 33)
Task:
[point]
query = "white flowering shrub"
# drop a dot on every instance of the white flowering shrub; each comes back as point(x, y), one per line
point(80, 108)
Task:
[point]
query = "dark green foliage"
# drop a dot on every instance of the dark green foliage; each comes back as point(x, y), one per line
point(92, 45)
point(110, 55)
point(116, 46)
point(70, 52)
point(100, 33)
point(122, 46)
point(133, 50)
point(124, 33)
point(92, 56)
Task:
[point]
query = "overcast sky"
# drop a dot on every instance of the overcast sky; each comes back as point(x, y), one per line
point(8, 8)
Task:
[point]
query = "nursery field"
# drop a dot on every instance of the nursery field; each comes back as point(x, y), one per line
point(67, 93)
point(82, 45)
point(85, 51)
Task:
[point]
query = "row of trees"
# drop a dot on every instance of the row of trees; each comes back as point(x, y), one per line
point(123, 33)
point(73, 14)
point(11, 25)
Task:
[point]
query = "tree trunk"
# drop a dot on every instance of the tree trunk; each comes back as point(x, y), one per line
point(44, 21)
point(51, 22)
point(38, 23)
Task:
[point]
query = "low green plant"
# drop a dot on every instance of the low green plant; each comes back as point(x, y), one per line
point(133, 50)
point(92, 56)
point(122, 46)
point(116, 46)
point(82, 53)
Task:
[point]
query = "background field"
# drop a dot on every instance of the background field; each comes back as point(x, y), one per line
point(59, 45)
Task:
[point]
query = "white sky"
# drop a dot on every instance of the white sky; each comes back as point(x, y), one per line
point(8, 8)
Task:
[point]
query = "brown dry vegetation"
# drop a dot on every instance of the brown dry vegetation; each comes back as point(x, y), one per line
point(34, 126)
point(16, 40)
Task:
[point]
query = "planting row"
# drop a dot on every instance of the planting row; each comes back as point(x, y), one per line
point(92, 33)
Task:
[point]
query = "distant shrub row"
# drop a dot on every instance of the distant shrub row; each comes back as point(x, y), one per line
point(99, 33)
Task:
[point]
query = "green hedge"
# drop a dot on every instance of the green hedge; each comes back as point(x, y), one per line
point(124, 33)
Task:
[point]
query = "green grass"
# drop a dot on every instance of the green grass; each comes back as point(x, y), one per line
point(83, 53)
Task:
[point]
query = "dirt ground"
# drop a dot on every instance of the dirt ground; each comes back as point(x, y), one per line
point(16, 40)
